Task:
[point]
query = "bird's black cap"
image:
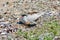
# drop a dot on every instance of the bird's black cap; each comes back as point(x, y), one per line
point(24, 15)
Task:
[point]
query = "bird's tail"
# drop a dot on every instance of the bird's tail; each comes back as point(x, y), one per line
point(39, 14)
point(42, 13)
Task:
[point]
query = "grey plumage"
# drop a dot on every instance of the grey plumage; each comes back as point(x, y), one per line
point(30, 18)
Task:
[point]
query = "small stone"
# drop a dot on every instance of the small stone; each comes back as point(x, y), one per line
point(1, 16)
point(7, 2)
point(5, 13)
point(56, 38)
point(3, 33)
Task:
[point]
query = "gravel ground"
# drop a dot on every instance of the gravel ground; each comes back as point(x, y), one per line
point(11, 10)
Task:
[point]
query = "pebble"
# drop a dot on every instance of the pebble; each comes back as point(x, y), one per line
point(56, 38)
point(1, 19)
point(3, 33)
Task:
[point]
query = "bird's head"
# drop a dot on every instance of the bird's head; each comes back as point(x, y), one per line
point(23, 15)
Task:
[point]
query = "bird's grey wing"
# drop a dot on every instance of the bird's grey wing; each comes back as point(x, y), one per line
point(33, 17)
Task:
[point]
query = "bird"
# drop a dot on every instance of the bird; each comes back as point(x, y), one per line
point(29, 19)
